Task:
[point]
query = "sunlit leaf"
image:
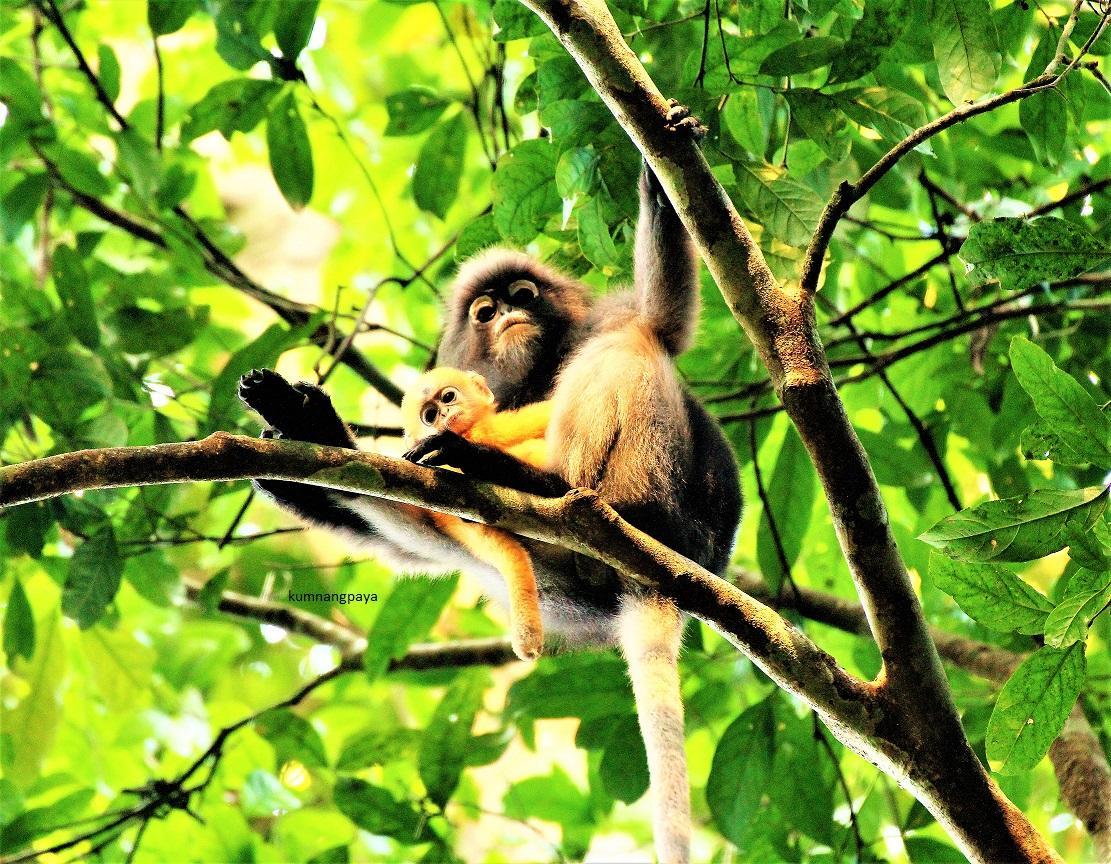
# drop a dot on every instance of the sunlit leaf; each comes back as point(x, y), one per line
point(1032, 708)
point(1088, 595)
point(995, 597)
point(1017, 529)
point(405, 615)
point(94, 577)
point(1021, 253)
point(439, 166)
point(443, 751)
point(965, 47)
point(290, 151)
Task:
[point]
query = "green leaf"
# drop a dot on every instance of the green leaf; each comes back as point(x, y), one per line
point(19, 625)
point(292, 737)
point(169, 16)
point(1017, 529)
point(294, 24)
point(440, 165)
point(139, 162)
point(1038, 441)
point(804, 55)
point(1088, 594)
point(880, 27)
point(1064, 405)
point(817, 116)
point(290, 151)
point(374, 809)
point(892, 113)
point(72, 284)
point(156, 334)
point(27, 527)
point(479, 234)
point(791, 492)
point(788, 209)
point(929, 849)
point(1090, 548)
point(995, 597)
point(377, 747)
point(742, 770)
point(77, 169)
point(966, 48)
point(554, 797)
point(516, 21)
point(236, 105)
point(63, 385)
point(624, 765)
point(94, 577)
point(524, 194)
point(443, 751)
point(576, 172)
point(805, 772)
point(544, 693)
point(21, 203)
point(406, 615)
point(108, 71)
point(238, 33)
point(19, 92)
point(413, 110)
point(1032, 707)
point(594, 235)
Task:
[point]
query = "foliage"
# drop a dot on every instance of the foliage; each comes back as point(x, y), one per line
point(136, 285)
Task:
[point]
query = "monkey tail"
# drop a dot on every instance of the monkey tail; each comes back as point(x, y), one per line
point(650, 629)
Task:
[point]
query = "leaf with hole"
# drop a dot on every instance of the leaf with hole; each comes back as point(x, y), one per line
point(1020, 253)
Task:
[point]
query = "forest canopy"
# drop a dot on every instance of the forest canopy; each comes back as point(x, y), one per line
point(196, 188)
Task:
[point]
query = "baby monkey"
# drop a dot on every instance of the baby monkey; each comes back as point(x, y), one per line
point(451, 400)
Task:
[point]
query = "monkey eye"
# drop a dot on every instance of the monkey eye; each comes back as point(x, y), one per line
point(428, 415)
point(523, 292)
point(483, 310)
point(449, 395)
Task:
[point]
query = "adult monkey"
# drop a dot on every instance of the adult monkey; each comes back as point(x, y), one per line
point(622, 424)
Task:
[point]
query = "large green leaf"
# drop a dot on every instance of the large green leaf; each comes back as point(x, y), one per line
point(1020, 253)
point(791, 494)
point(443, 751)
point(1044, 116)
point(94, 577)
point(413, 110)
point(169, 16)
point(440, 165)
point(19, 625)
point(236, 105)
point(741, 770)
point(966, 48)
point(294, 24)
point(787, 209)
point(1017, 529)
point(1033, 706)
point(72, 284)
point(624, 765)
point(525, 195)
point(1062, 403)
point(993, 596)
point(406, 615)
point(290, 151)
point(374, 809)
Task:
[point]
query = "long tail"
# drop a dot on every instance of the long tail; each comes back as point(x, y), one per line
point(650, 630)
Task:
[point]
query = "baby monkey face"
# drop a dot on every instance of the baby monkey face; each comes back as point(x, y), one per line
point(446, 399)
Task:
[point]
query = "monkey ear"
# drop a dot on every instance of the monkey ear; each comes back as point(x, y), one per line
point(481, 386)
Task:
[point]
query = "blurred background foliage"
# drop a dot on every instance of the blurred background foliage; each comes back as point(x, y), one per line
point(193, 188)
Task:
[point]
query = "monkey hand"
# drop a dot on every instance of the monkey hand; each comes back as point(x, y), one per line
point(441, 448)
point(680, 120)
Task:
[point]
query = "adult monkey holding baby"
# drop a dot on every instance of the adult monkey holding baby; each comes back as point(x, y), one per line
point(622, 424)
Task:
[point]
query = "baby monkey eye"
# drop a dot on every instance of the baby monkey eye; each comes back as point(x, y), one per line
point(523, 292)
point(428, 415)
point(449, 395)
point(483, 310)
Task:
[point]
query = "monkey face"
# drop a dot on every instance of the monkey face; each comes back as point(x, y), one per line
point(505, 319)
point(445, 400)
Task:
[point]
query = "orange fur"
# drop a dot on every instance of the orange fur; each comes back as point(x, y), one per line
point(472, 413)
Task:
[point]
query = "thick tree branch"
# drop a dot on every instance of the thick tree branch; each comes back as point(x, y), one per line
point(938, 764)
point(578, 521)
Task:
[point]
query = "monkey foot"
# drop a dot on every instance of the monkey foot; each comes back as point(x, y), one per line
point(528, 642)
point(301, 411)
point(680, 119)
